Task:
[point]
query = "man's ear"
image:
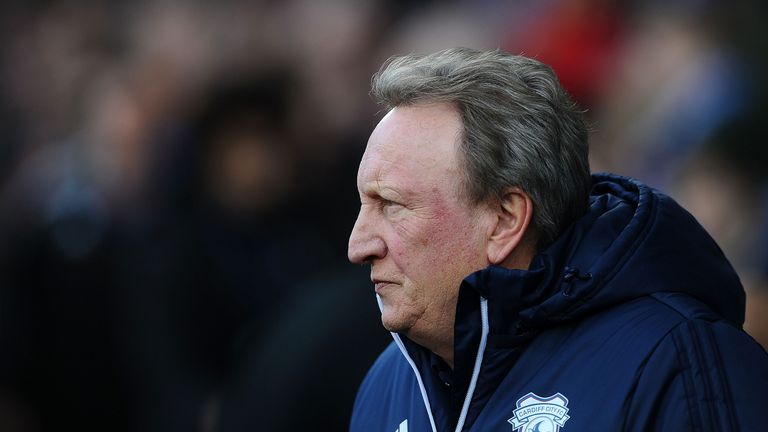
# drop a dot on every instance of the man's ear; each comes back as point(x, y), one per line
point(513, 216)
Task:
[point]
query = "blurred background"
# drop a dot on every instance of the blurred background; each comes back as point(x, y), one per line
point(177, 185)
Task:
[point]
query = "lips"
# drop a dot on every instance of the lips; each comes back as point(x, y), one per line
point(380, 284)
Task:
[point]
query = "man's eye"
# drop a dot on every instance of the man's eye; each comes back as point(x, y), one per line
point(391, 207)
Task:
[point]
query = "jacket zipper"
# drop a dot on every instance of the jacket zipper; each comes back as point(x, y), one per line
point(475, 371)
point(423, 389)
point(478, 363)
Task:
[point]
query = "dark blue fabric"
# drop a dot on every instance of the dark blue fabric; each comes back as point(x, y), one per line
point(634, 315)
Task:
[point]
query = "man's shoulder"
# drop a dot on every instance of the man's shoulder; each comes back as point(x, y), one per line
point(636, 325)
point(638, 361)
point(657, 317)
point(708, 362)
point(614, 346)
point(653, 316)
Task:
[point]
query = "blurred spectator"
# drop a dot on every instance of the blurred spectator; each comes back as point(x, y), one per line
point(580, 39)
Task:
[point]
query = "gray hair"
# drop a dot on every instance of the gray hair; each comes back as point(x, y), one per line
point(520, 127)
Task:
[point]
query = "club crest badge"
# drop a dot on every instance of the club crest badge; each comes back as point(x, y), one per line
point(540, 414)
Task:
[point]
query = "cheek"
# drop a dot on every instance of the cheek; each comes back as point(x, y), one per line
point(457, 237)
point(451, 242)
point(448, 239)
point(452, 223)
point(411, 247)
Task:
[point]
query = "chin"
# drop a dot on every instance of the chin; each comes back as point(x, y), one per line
point(395, 322)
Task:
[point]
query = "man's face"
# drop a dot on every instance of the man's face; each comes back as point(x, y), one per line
point(419, 234)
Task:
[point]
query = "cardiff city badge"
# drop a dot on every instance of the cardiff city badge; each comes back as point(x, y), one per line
point(540, 414)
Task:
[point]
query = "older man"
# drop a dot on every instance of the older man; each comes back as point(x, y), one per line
point(523, 294)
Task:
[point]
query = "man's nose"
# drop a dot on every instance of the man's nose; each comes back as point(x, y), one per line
point(365, 245)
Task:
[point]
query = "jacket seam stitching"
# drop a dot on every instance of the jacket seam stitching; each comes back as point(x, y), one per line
point(688, 366)
point(705, 378)
point(685, 367)
point(685, 372)
point(696, 338)
point(730, 416)
point(670, 334)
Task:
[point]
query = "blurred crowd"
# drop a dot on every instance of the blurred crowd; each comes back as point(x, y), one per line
point(177, 185)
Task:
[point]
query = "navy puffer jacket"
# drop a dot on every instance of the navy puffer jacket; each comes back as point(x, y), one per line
point(630, 321)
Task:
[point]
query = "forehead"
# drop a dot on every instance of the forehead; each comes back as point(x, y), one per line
point(413, 145)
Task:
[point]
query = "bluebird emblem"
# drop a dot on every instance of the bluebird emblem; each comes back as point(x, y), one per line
point(540, 414)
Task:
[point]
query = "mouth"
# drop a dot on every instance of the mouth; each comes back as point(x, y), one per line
point(381, 285)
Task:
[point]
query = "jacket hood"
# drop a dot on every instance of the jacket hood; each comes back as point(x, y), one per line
point(633, 241)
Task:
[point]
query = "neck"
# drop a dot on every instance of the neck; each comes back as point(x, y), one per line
point(442, 346)
point(447, 356)
point(521, 257)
